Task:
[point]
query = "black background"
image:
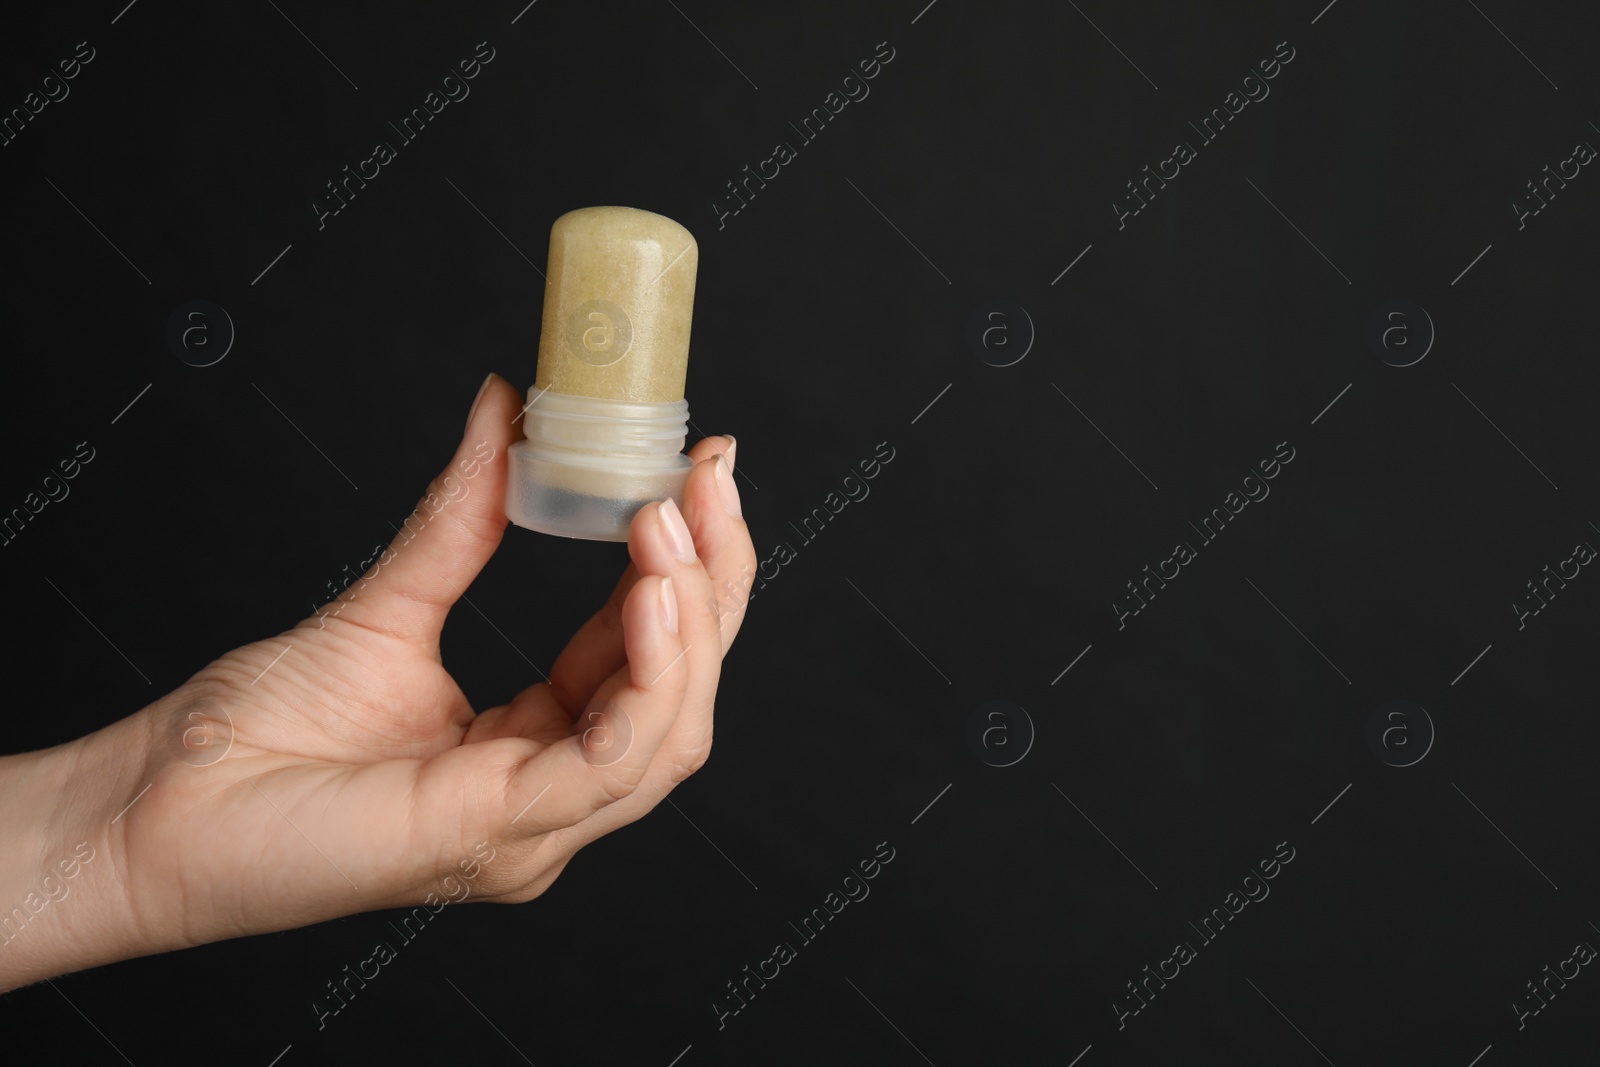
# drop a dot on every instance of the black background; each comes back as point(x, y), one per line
point(1220, 721)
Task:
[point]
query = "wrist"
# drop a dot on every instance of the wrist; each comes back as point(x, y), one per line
point(63, 901)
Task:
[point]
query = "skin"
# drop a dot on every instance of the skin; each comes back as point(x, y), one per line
point(359, 777)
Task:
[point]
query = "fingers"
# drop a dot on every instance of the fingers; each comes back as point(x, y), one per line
point(641, 676)
point(626, 725)
point(711, 507)
point(443, 544)
point(612, 744)
point(661, 543)
point(595, 651)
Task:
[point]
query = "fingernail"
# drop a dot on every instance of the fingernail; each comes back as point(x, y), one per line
point(484, 388)
point(669, 605)
point(678, 539)
point(725, 487)
point(732, 444)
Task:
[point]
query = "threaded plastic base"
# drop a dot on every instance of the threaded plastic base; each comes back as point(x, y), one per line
point(589, 465)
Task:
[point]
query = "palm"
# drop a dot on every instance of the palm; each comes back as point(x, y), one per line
point(336, 745)
point(346, 695)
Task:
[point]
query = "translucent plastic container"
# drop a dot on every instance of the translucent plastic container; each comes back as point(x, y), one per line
point(588, 465)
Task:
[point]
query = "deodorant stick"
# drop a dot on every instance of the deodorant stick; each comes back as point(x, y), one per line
point(606, 419)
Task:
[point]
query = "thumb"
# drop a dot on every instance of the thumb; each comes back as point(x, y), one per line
point(442, 545)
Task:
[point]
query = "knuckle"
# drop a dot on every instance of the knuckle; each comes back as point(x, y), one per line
point(617, 783)
point(530, 884)
point(684, 767)
point(468, 529)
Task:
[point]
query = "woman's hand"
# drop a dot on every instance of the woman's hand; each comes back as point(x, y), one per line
point(338, 767)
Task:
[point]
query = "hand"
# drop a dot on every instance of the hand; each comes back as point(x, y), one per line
point(356, 774)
